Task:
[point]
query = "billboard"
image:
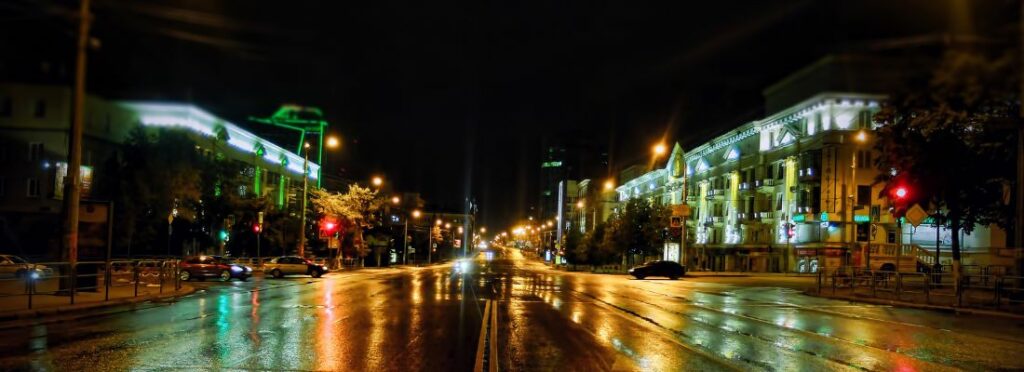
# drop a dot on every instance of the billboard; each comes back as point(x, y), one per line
point(62, 173)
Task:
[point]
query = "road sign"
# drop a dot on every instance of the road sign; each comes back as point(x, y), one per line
point(916, 215)
point(681, 210)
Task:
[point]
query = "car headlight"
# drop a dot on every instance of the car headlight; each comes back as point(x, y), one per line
point(464, 266)
point(236, 268)
point(248, 269)
point(34, 275)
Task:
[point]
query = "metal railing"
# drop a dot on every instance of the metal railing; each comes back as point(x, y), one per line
point(972, 290)
point(64, 279)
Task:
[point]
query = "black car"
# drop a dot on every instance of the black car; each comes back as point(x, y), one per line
point(671, 269)
point(202, 267)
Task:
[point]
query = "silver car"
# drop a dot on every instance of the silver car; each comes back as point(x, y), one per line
point(12, 266)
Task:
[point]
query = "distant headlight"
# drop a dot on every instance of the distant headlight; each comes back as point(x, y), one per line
point(463, 266)
point(248, 269)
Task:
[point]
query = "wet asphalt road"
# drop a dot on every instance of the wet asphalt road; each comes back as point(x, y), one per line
point(429, 319)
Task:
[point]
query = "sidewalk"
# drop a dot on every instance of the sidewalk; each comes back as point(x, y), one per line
point(15, 304)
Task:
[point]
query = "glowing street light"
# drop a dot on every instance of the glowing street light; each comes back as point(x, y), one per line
point(861, 136)
point(609, 185)
point(659, 149)
point(333, 142)
point(416, 213)
point(483, 230)
point(580, 204)
point(438, 222)
point(377, 181)
point(447, 225)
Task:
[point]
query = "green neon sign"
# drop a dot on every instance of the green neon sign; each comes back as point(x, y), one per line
point(861, 218)
point(799, 218)
point(824, 216)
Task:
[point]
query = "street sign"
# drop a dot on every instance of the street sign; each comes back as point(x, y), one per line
point(916, 215)
point(681, 210)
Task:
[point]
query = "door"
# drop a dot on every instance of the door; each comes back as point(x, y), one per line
point(296, 266)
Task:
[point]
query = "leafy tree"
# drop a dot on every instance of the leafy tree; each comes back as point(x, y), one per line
point(158, 174)
point(947, 139)
point(358, 207)
point(574, 246)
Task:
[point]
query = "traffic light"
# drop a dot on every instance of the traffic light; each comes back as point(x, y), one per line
point(900, 195)
point(223, 235)
point(256, 228)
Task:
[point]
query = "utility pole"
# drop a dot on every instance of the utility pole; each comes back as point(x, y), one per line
point(1018, 226)
point(72, 182)
point(305, 194)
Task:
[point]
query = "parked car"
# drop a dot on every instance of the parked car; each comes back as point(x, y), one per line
point(293, 265)
point(12, 266)
point(671, 269)
point(202, 267)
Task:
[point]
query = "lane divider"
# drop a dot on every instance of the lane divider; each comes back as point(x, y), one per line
point(487, 344)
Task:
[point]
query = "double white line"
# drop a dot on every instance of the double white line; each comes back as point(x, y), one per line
point(487, 345)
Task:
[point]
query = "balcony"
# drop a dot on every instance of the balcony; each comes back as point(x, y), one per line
point(766, 215)
point(767, 182)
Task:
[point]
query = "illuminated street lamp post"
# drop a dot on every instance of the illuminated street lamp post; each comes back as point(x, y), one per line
point(405, 237)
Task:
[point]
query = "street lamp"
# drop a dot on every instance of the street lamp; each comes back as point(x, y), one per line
point(377, 181)
point(659, 149)
point(395, 200)
point(405, 237)
point(609, 185)
point(333, 142)
point(483, 230)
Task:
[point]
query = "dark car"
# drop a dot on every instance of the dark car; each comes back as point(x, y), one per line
point(202, 267)
point(671, 269)
point(293, 265)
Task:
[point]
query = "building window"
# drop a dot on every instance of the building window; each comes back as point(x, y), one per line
point(864, 119)
point(35, 151)
point(6, 107)
point(242, 190)
point(863, 195)
point(40, 109)
point(32, 188)
point(864, 159)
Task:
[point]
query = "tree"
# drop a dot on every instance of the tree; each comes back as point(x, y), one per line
point(358, 206)
point(157, 176)
point(946, 139)
point(638, 229)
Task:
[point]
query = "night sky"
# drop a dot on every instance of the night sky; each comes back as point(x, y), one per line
point(447, 98)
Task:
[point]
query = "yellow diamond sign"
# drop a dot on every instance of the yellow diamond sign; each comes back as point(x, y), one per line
point(916, 215)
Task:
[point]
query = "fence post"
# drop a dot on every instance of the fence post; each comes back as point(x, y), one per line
point(28, 289)
point(135, 274)
point(162, 268)
point(106, 282)
point(74, 282)
point(874, 292)
point(899, 286)
point(927, 290)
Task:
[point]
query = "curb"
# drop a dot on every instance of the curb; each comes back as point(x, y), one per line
point(913, 305)
point(70, 309)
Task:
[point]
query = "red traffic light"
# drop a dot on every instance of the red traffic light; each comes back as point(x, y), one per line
point(901, 192)
point(329, 226)
point(256, 228)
